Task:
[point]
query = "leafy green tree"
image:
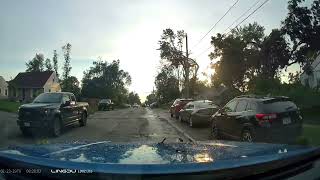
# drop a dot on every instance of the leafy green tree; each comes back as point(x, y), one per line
point(167, 85)
point(36, 64)
point(171, 45)
point(106, 80)
point(55, 62)
point(71, 84)
point(302, 25)
point(151, 98)
point(67, 67)
point(133, 98)
point(247, 53)
point(48, 64)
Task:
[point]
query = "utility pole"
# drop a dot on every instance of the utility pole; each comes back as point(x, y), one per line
point(187, 69)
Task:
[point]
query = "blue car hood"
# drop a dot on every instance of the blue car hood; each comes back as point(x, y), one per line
point(148, 158)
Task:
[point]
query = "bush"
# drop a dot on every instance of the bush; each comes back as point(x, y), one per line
point(302, 141)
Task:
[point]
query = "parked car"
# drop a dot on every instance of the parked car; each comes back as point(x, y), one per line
point(105, 104)
point(256, 118)
point(154, 105)
point(197, 112)
point(177, 105)
point(135, 105)
point(52, 111)
point(127, 105)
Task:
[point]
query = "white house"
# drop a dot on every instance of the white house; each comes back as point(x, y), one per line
point(313, 79)
point(3, 88)
point(28, 85)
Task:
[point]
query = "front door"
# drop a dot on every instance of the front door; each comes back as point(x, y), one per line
point(226, 117)
point(66, 109)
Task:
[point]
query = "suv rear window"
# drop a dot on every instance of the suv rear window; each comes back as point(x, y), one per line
point(278, 106)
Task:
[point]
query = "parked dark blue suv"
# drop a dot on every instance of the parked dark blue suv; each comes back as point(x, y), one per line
point(258, 119)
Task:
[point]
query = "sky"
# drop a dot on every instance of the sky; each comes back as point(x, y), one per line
point(128, 30)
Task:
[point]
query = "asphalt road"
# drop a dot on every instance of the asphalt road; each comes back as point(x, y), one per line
point(122, 125)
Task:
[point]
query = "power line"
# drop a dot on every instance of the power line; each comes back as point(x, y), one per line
point(248, 16)
point(216, 23)
point(237, 25)
point(242, 15)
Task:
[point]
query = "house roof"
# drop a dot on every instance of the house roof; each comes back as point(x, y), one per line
point(3, 81)
point(31, 79)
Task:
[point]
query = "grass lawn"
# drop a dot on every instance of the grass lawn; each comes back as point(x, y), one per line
point(312, 133)
point(9, 106)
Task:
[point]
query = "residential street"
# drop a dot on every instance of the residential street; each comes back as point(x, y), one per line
point(122, 125)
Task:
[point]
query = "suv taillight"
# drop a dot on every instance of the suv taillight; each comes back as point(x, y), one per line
point(265, 118)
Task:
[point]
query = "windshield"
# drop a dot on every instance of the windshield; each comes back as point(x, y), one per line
point(77, 72)
point(48, 98)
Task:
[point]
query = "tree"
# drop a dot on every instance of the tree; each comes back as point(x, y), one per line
point(151, 98)
point(133, 98)
point(106, 80)
point(36, 64)
point(48, 64)
point(71, 84)
point(247, 53)
point(167, 85)
point(55, 62)
point(302, 25)
point(171, 45)
point(66, 53)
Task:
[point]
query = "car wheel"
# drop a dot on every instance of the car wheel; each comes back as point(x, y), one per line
point(214, 131)
point(56, 127)
point(191, 122)
point(171, 115)
point(83, 120)
point(247, 136)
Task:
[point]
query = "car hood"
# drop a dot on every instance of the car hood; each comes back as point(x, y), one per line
point(39, 105)
point(151, 158)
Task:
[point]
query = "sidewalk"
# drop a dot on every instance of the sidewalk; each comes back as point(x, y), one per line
point(194, 134)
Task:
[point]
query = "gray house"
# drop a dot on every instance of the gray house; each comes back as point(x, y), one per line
point(3, 88)
point(312, 79)
point(28, 85)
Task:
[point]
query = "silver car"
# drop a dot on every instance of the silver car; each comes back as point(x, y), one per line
point(198, 112)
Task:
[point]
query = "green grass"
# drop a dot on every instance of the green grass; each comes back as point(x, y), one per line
point(312, 133)
point(9, 106)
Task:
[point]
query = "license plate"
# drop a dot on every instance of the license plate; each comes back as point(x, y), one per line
point(26, 124)
point(286, 120)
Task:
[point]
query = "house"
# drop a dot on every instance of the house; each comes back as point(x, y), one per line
point(312, 79)
point(3, 88)
point(28, 85)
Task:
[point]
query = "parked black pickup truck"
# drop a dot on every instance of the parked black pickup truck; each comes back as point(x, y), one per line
point(51, 112)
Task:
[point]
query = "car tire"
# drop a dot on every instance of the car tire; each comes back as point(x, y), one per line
point(83, 120)
point(247, 135)
point(171, 115)
point(214, 132)
point(56, 127)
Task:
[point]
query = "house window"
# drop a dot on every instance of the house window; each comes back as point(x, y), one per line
point(49, 90)
point(6, 92)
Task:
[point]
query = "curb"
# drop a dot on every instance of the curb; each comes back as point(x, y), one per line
point(178, 129)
